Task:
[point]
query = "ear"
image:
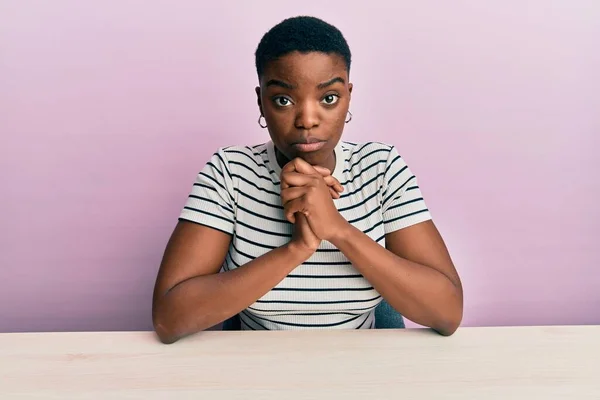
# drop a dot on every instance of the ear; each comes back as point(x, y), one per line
point(350, 86)
point(258, 101)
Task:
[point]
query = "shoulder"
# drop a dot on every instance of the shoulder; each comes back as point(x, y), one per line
point(366, 155)
point(232, 158)
point(241, 154)
point(372, 150)
point(240, 165)
point(375, 161)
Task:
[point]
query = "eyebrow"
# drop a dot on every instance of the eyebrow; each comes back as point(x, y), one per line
point(276, 82)
point(330, 82)
point(285, 85)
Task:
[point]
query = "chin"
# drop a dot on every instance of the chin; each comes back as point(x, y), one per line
point(318, 157)
point(314, 157)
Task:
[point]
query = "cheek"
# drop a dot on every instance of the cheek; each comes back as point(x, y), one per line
point(340, 118)
point(279, 121)
point(279, 124)
point(277, 117)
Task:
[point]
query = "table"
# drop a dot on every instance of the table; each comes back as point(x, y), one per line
point(560, 362)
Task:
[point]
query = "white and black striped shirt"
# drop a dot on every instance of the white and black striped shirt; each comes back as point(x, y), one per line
point(238, 192)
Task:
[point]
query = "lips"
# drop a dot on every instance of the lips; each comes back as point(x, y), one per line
point(309, 144)
point(309, 140)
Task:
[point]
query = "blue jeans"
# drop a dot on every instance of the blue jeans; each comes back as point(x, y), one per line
point(385, 318)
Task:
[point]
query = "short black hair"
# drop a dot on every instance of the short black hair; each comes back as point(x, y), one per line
point(304, 34)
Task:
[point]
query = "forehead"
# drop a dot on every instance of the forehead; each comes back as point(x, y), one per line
point(306, 68)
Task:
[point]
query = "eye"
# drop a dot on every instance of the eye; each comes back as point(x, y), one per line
point(282, 101)
point(330, 99)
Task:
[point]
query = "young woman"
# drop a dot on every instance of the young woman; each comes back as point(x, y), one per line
point(305, 231)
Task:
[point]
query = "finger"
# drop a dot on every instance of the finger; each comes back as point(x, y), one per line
point(298, 165)
point(329, 179)
point(284, 185)
point(287, 168)
point(292, 193)
point(322, 170)
point(297, 179)
point(302, 226)
point(333, 183)
point(334, 193)
point(292, 207)
point(301, 220)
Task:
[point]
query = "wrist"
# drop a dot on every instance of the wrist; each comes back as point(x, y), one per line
point(298, 252)
point(342, 233)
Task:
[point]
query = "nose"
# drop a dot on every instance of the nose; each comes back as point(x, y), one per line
point(307, 117)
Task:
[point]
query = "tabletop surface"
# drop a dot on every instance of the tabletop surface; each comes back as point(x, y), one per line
point(561, 362)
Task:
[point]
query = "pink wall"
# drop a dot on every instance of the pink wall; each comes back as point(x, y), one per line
point(109, 109)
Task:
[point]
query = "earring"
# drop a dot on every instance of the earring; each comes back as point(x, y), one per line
point(349, 117)
point(260, 123)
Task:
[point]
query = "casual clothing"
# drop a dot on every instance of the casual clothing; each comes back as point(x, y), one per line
point(238, 192)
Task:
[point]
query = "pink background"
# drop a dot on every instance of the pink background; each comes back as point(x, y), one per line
point(108, 110)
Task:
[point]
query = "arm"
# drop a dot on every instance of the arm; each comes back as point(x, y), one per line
point(191, 295)
point(414, 273)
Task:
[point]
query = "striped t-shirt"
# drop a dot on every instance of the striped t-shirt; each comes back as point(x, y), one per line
point(238, 192)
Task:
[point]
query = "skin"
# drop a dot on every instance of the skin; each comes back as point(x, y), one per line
point(304, 97)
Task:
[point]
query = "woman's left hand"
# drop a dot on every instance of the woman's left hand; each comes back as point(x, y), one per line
point(304, 190)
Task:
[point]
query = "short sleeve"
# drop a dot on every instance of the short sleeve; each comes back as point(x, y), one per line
point(402, 201)
point(210, 201)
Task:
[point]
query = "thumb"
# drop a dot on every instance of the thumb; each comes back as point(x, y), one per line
point(303, 167)
point(322, 170)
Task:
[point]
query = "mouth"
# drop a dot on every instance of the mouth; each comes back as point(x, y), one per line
point(308, 145)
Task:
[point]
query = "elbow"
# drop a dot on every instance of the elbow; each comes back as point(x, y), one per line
point(170, 325)
point(448, 323)
point(164, 328)
point(166, 334)
point(447, 328)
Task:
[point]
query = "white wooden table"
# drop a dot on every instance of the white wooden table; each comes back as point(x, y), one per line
point(476, 363)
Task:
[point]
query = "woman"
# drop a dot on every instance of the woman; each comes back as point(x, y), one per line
point(305, 231)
